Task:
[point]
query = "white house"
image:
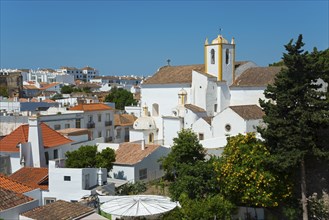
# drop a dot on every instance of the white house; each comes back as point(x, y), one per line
point(98, 118)
point(72, 184)
point(138, 162)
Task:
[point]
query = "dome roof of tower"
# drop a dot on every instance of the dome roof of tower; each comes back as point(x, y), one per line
point(219, 40)
point(182, 92)
point(144, 123)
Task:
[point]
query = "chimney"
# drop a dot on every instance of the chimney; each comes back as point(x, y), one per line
point(99, 176)
point(36, 142)
point(143, 143)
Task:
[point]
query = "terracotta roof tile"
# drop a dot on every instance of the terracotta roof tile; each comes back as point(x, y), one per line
point(194, 108)
point(248, 112)
point(30, 87)
point(132, 153)
point(124, 119)
point(208, 119)
point(59, 210)
point(10, 199)
point(174, 74)
point(91, 107)
point(257, 76)
point(51, 138)
point(32, 176)
point(74, 131)
point(13, 185)
point(47, 86)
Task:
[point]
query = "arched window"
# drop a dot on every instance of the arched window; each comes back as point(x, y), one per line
point(155, 109)
point(227, 56)
point(151, 138)
point(212, 53)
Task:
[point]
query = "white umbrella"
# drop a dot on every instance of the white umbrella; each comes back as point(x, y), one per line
point(138, 205)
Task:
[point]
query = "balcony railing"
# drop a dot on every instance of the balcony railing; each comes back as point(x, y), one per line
point(108, 139)
point(108, 123)
point(91, 125)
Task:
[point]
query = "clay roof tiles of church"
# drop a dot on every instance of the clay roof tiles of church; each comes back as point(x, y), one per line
point(194, 108)
point(257, 76)
point(174, 74)
point(59, 210)
point(10, 199)
point(50, 137)
point(248, 112)
point(132, 153)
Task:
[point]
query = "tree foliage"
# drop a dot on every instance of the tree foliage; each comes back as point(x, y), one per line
point(88, 156)
point(4, 91)
point(296, 107)
point(66, 89)
point(244, 175)
point(185, 150)
point(121, 98)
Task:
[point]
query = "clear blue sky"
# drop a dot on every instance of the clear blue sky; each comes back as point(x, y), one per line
point(137, 37)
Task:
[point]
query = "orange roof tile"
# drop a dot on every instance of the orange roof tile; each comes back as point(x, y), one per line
point(32, 176)
point(10, 199)
point(91, 107)
point(13, 185)
point(132, 153)
point(50, 137)
point(59, 210)
point(47, 86)
point(124, 119)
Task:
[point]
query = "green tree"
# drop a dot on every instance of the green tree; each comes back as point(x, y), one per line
point(245, 176)
point(4, 92)
point(296, 109)
point(66, 89)
point(186, 150)
point(88, 156)
point(121, 98)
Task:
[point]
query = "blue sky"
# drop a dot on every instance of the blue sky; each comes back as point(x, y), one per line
point(137, 37)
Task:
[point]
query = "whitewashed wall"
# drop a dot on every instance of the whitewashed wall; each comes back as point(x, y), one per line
point(171, 127)
point(246, 95)
point(201, 126)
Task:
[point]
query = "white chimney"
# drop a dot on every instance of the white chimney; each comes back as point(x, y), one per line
point(36, 143)
point(143, 143)
point(99, 176)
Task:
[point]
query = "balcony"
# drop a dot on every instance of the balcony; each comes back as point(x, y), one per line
point(108, 139)
point(91, 125)
point(108, 123)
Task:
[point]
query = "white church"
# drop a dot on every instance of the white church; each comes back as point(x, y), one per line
point(216, 99)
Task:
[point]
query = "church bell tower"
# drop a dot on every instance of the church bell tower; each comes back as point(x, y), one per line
point(219, 58)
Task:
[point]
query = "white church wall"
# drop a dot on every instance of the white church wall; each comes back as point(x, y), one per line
point(135, 135)
point(166, 96)
point(202, 127)
point(199, 88)
point(227, 67)
point(223, 96)
point(246, 95)
point(225, 119)
point(171, 128)
point(189, 119)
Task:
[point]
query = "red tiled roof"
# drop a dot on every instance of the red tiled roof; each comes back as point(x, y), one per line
point(47, 86)
point(59, 210)
point(248, 112)
point(124, 119)
point(50, 137)
point(10, 199)
point(32, 176)
point(91, 107)
point(13, 185)
point(132, 153)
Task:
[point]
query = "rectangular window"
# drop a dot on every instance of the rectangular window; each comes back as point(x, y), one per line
point(48, 200)
point(67, 125)
point(55, 154)
point(143, 174)
point(47, 157)
point(67, 178)
point(201, 136)
point(99, 118)
point(57, 127)
point(90, 118)
point(78, 123)
point(99, 134)
point(119, 133)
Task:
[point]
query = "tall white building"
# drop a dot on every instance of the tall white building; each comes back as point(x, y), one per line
point(85, 74)
point(215, 99)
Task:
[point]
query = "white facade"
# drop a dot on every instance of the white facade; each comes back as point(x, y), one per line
point(150, 164)
point(71, 183)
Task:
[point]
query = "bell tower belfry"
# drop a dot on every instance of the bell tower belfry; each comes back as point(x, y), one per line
point(219, 58)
